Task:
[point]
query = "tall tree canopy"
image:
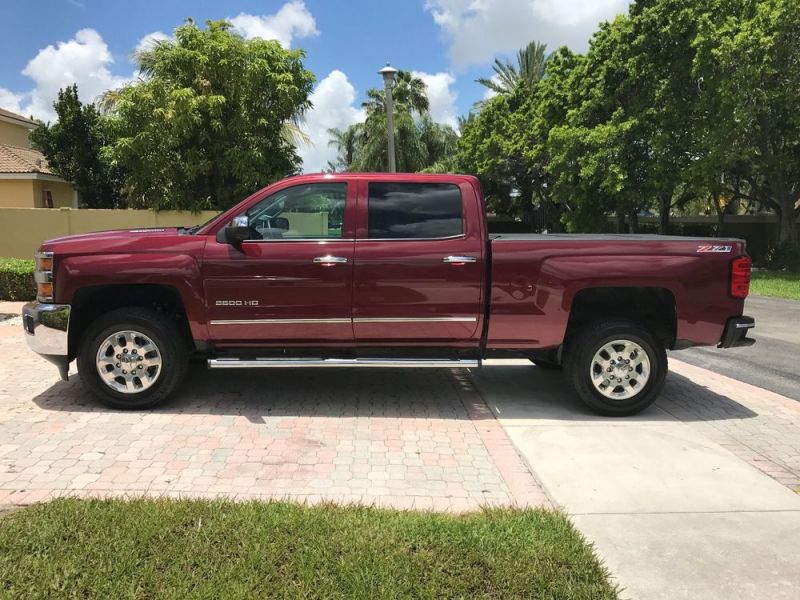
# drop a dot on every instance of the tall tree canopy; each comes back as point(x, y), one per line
point(209, 120)
point(677, 103)
point(748, 66)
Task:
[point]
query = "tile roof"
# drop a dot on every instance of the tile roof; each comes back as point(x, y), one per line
point(15, 159)
point(11, 115)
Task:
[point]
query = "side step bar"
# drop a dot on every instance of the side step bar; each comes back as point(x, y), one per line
point(393, 363)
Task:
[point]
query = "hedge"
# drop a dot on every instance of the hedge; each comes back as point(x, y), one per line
point(16, 279)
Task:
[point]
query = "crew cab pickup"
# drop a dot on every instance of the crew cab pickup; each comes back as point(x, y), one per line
point(380, 270)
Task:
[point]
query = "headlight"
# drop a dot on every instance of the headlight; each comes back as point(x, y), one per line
point(44, 276)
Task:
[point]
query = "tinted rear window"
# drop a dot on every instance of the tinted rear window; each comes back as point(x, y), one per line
point(414, 210)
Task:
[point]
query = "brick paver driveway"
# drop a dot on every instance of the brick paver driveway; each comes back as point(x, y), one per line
point(421, 439)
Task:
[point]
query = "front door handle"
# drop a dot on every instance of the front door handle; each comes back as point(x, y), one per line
point(459, 260)
point(329, 260)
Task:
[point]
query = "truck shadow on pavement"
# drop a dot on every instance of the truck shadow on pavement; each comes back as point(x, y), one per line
point(511, 391)
point(522, 392)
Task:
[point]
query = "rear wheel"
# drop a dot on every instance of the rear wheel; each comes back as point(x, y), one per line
point(616, 367)
point(133, 358)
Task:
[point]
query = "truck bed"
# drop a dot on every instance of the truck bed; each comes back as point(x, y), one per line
point(535, 279)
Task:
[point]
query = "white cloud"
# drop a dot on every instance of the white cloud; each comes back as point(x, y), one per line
point(11, 101)
point(441, 97)
point(148, 41)
point(83, 60)
point(334, 106)
point(292, 20)
point(478, 30)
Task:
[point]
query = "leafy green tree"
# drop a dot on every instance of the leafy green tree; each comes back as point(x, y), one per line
point(599, 156)
point(211, 118)
point(72, 146)
point(748, 66)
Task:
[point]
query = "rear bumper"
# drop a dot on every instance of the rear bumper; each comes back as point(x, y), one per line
point(735, 333)
point(47, 332)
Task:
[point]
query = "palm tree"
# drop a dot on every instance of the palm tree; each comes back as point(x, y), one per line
point(530, 68)
point(419, 142)
point(409, 93)
point(346, 143)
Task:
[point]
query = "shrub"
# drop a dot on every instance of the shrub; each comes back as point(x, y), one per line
point(16, 279)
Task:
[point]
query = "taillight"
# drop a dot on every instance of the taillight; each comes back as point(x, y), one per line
point(740, 276)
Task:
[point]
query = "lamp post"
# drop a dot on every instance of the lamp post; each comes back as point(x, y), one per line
point(389, 74)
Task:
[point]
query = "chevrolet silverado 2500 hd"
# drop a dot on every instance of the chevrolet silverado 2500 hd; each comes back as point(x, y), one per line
point(380, 270)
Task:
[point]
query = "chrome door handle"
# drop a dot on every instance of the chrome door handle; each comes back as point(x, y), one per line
point(330, 260)
point(459, 260)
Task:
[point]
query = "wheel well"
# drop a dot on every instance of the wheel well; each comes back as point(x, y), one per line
point(91, 302)
point(652, 306)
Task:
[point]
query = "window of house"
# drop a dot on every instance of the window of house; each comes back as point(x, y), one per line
point(310, 211)
point(47, 198)
point(414, 210)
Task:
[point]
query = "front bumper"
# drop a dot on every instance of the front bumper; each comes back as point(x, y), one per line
point(47, 332)
point(735, 333)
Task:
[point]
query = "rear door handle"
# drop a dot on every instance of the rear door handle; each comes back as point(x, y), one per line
point(330, 260)
point(459, 260)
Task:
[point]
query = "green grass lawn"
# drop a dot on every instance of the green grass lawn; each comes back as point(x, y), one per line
point(778, 284)
point(213, 549)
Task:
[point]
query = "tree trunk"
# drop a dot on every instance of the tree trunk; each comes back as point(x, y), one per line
point(633, 221)
point(665, 203)
point(620, 221)
point(720, 214)
point(526, 208)
point(787, 229)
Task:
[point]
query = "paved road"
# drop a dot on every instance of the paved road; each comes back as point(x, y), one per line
point(773, 362)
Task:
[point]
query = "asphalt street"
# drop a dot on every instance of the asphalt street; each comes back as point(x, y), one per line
point(773, 362)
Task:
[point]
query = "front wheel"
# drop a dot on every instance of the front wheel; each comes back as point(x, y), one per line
point(132, 358)
point(616, 367)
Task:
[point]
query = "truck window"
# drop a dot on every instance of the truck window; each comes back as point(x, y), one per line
point(414, 210)
point(310, 211)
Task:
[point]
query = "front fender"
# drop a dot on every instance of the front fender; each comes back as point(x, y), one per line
point(180, 271)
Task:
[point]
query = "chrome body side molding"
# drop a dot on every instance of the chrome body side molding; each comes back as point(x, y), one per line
point(392, 363)
point(344, 320)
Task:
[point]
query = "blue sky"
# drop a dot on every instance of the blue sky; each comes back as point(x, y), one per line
point(449, 43)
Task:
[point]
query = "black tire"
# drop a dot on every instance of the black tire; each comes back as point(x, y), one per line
point(579, 357)
point(164, 334)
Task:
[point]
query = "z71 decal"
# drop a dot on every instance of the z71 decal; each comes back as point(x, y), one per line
point(712, 248)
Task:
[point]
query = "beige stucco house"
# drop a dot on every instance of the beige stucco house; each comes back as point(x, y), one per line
point(25, 179)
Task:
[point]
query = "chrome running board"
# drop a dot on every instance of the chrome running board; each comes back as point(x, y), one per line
point(393, 363)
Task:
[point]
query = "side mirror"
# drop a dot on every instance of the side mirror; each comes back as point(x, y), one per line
point(235, 233)
point(281, 223)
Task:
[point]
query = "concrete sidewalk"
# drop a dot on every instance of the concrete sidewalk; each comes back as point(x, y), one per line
point(672, 512)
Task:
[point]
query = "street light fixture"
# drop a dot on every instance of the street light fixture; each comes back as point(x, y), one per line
point(389, 75)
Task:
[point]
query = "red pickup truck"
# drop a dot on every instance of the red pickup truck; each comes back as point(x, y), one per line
point(380, 270)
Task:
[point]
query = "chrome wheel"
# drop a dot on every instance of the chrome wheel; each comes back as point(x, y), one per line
point(128, 362)
point(620, 369)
